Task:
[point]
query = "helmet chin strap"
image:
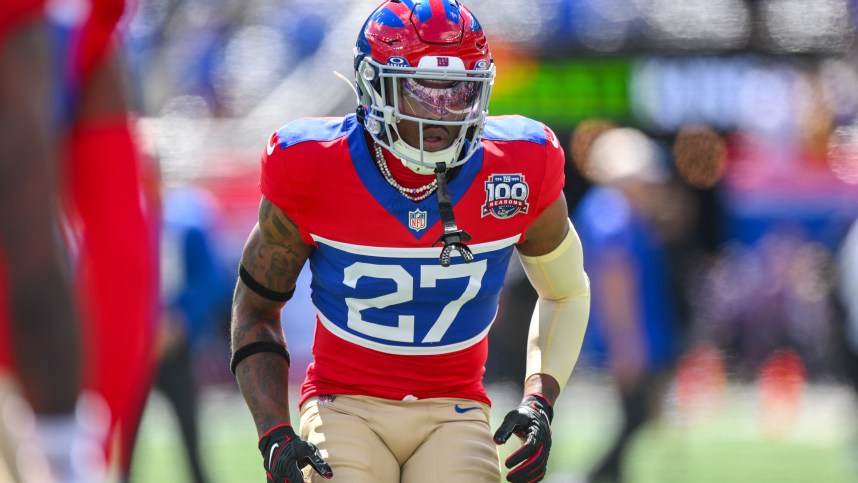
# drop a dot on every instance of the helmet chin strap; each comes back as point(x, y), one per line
point(447, 155)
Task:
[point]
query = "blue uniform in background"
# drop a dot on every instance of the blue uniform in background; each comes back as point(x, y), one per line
point(608, 223)
point(631, 276)
point(193, 280)
point(192, 292)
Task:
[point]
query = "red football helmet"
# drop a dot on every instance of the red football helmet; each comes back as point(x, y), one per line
point(431, 56)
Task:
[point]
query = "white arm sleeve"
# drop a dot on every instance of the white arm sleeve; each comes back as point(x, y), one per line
point(560, 319)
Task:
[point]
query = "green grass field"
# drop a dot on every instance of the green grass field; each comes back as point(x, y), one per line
point(728, 438)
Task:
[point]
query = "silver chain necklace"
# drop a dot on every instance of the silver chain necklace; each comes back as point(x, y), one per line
point(409, 193)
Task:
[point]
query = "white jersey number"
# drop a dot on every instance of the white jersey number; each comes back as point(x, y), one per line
point(429, 276)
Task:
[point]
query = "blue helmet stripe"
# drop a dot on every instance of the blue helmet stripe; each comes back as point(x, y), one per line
point(475, 25)
point(387, 17)
point(451, 10)
point(423, 11)
point(363, 43)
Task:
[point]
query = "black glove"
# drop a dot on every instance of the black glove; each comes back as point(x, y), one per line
point(284, 454)
point(530, 421)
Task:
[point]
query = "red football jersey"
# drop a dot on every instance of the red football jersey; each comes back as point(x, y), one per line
point(391, 321)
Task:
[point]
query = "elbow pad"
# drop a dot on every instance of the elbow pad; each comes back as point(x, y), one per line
point(560, 318)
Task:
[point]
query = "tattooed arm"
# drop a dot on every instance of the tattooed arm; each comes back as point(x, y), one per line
point(273, 256)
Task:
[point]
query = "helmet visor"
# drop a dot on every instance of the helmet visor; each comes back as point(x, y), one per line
point(440, 99)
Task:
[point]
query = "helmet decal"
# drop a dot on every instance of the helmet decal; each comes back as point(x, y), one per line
point(475, 25)
point(438, 21)
point(387, 17)
point(425, 11)
point(398, 62)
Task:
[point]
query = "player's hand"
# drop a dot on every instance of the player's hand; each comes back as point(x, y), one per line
point(530, 421)
point(284, 454)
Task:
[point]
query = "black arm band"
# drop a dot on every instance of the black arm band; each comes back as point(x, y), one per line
point(257, 288)
point(255, 348)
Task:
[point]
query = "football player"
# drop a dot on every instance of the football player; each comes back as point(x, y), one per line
point(112, 213)
point(408, 212)
point(109, 228)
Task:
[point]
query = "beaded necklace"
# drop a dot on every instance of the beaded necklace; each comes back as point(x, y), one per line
point(409, 193)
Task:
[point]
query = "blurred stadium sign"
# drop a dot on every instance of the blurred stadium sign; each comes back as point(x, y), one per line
point(562, 92)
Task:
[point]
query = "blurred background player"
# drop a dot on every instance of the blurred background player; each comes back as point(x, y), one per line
point(112, 211)
point(192, 290)
point(627, 220)
point(109, 215)
point(41, 339)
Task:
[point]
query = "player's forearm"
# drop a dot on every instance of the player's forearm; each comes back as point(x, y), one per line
point(272, 259)
point(263, 382)
point(263, 378)
point(560, 319)
point(556, 335)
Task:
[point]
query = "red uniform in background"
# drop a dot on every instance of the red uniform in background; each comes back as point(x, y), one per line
point(112, 214)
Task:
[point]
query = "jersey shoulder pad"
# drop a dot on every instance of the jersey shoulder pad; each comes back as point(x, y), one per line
point(310, 129)
point(515, 128)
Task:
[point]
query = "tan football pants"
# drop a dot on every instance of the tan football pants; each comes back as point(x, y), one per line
point(371, 440)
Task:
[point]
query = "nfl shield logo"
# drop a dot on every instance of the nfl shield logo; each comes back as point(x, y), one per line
point(417, 220)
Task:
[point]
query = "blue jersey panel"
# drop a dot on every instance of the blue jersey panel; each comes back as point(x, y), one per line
point(514, 128)
point(314, 129)
point(402, 301)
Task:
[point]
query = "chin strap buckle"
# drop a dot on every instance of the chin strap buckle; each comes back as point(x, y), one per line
point(453, 237)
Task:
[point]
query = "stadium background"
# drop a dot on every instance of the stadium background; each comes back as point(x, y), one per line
point(774, 83)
